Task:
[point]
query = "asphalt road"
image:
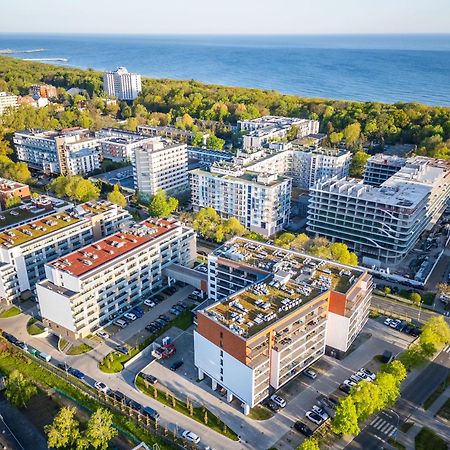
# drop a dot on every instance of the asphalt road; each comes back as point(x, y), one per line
point(385, 424)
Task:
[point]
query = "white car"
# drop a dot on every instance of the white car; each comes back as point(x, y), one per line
point(310, 374)
point(363, 376)
point(394, 323)
point(281, 402)
point(387, 321)
point(368, 373)
point(320, 412)
point(99, 385)
point(197, 293)
point(190, 436)
point(103, 334)
point(149, 303)
point(349, 382)
point(130, 316)
point(314, 417)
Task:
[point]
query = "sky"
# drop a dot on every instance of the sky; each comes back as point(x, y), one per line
point(226, 16)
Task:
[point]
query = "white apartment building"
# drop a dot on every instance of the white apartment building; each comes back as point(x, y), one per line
point(381, 223)
point(272, 313)
point(260, 201)
point(170, 132)
point(119, 145)
point(122, 84)
point(305, 165)
point(7, 101)
point(83, 289)
point(264, 129)
point(71, 151)
point(160, 164)
point(26, 248)
point(380, 168)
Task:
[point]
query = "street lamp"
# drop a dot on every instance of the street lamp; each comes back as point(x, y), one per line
point(420, 310)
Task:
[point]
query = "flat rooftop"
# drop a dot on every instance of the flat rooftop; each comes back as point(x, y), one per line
point(293, 280)
point(10, 185)
point(93, 256)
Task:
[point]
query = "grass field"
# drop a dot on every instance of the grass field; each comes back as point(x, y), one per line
point(79, 349)
point(11, 312)
point(428, 440)
point(32, 328)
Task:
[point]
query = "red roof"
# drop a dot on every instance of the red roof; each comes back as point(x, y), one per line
point(95, 255)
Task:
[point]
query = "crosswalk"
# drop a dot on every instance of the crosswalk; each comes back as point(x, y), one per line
point(383, 426)
point(447, 349)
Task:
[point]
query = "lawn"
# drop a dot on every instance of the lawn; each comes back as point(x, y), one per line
point(428, 440)
point(79, 349)
point(260, 412)
point(32, 328)
point(198, 413)
point(46, 380)
point(11, 312)
point(113, 362)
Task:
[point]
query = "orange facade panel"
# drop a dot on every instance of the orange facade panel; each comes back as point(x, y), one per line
point(337, 302)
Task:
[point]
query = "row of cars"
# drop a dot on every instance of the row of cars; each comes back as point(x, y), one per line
point(362, 374)
point(402, 326)
point(31, 350)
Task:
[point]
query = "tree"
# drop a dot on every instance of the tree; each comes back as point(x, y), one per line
point(366, 397)
point(358, 163)
point(10, 202)
point(351, 133)
point(214, 142)
point(197, 140)
point(335, 138)
point(415, 298)
point(232, 227)
point(64, 431)
point(161, 205)
point(206, 222)
point(309, 444)
point(300, 242)
point(435, 334)
point(284, 240)
point(100, 429)
point(76, 188)
point(17, 171)
point(340, 253)
point(19, 390)
point(292, 133)
point(396, 369)
point(346, 419)
point(117, 197)
point(387, 290)
point(389, 388)
point(414, 356)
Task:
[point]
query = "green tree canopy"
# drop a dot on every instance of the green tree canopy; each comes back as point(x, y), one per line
point(397, 369)
point(117, 197)
point(309, 444)
point(19, 390)
point(366, 396)
point(161, 205)
point(389, 388)
point(100, 429)
point(64, 431)
point(76, 188)
point(340, 253)
point(435, 333)
point(415, 297)
point(285, 240)
point(12, 201)
point(352, 133)
point(346, 419)
point(358, 163)
point(214, 142)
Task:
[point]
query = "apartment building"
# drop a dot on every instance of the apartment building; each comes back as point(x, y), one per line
point(10, 188)
point(83, 289)
point(170, 132)
point(122, 84)
point(43, 90)
point(305, 165)
point(160, 164)
point(271, 314)
point(267, 128)
point(260, 201)
point(380, 168)
point(26, 248)
point(119, 145)
point(71, 151)
point(7, 101)
point(205, 157)
point(381, 223)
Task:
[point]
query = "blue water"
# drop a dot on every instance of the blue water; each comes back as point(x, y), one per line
point(388, 68)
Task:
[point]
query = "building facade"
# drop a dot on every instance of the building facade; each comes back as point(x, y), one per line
point(26, 248)
point(160, 164)
point(170, 132)
point(379, 168)
point(260, 201)
point(72, 151)
point(381, 223)
point(271, 314)
point(43, 90)
point(85, 288)
point(206, 157)
point(264, 129)
point(122, 84)
point(7, 101)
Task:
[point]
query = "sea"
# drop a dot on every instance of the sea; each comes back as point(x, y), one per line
point(385, 68)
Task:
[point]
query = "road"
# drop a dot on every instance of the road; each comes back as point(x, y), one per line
point(403, 309)
point(385, 424)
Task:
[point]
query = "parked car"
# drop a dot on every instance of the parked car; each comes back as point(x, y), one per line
point(387, 356)
point(322, 413)
point(151, 328)
point(150, 412)
point(310, 374)
point(363, 376)
point(281, 402)
point(130, 316)
point(345, 388)
point(120, 396)
point(349, 382)
point(190, 436)
point(44, 356)
point(273, 406)
point(368, 373)
point(395, 323)
point(164, 318)
point(100, 386)
point(22, 345)
point(103, 334)
point(387, 321)
point(176, 365)
point(122, 349)
point(302, 428)
point(150, 303)
point(137, 313)
point(76, 373)
point(120, 323)
point(333, 402)
point(314, 417)
point(135, 405)
point(150, 378)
